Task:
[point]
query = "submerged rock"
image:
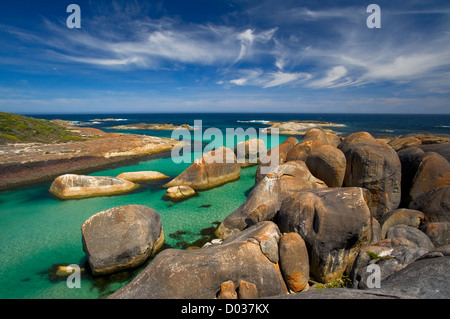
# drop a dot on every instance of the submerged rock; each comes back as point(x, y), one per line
point(71, 186)
point(177, 193)
point(121, 238)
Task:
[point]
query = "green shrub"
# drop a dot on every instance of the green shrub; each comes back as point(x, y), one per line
point(16, 128)
point(341, 282)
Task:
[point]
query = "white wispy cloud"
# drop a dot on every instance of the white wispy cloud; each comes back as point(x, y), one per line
point(332, 78)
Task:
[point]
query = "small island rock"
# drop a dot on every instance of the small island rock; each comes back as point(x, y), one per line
point(80, 186)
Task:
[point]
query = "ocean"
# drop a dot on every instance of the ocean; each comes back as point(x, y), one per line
point(39, 232)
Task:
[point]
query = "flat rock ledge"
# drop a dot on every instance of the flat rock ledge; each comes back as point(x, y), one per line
point(72, 186)
point(142, 176)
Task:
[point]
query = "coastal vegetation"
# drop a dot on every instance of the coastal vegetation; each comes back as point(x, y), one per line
point(16, 128)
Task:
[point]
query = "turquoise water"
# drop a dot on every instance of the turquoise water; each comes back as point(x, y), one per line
point(38, 231)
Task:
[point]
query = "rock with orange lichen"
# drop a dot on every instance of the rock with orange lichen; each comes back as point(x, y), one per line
point(294, 261)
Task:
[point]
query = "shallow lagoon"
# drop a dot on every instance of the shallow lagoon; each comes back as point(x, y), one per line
point(38, 231)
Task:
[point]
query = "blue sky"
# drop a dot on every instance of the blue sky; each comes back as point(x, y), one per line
point(225, 56)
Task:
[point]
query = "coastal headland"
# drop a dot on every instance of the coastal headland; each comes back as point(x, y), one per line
point(29, 160)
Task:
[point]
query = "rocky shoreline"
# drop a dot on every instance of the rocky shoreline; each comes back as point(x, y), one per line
point(30, 163)
point(295, 233)
point(330, 211)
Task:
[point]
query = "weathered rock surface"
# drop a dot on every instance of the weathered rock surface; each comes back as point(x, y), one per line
point(313, 139)
point(177, 193)
point(213, 169)
point(413, 234)
point(422, 172)
point(199, 273)
point(439, 233)
point(333, 140)
point(265, 199)
point(248, 153)
point(376, 167)
point(227, 290)
point(427, 279)
point(422, 279)
point(121, 237)
point(275, 156)
point(334, 223)
point(434, 204)
point(247, 290)
point(404, 142)
point(80, 186)
point(441, 149)
point(327, 163)
point(402, 216)
point(390, 255)
point(294, 261)
point(141, 176)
